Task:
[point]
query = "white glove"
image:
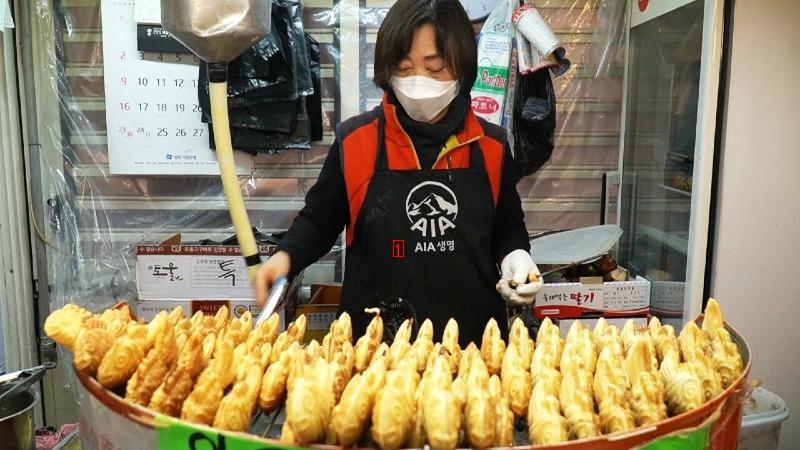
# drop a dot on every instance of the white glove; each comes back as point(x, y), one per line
point(516, 269)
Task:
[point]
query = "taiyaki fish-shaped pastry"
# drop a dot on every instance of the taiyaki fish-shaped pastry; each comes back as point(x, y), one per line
point(577, 403)
point(605, 335)
point(631, 330)
point(394, 409)
point(479, 411)
point(694, 342)
point(493, 347)
point(92, 344)
point(518, 335)
point(516, 380)
point(116, 320)
point(341, 331)
point(468, 356)
point(64, 324)
point(712, 317)
point(423, 344)
point(202, 403)
point(294, 333)
point(727, 360)
point(546, 425)
point(341, 366)
point(579, 351)
point(368, 343)
point(575, 331)
point(236, 408)
point(177, 385)
point(547, 330)
point(176, 315)
point(450, 343)
point(401, 344)
point(381, 352)
point(273, 384)
point(124, 356)
point(682, 388)
point(504, 417)
point(442, 417)
point(647, 389)
point(612, 393)
point(310, 401)
point(351, 415)
point(709, 378)
point(153, 369)
point(665, 341)
point(546, 356)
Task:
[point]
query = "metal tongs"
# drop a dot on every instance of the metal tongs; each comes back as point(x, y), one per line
point(20, 380)
point(275, 296)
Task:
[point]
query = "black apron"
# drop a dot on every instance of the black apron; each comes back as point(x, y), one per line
point(422, 250)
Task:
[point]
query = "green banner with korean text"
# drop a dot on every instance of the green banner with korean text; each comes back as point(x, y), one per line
point(173, 434)
point(697, 438)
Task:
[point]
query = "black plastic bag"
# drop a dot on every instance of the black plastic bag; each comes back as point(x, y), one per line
point(256, 141)
point(534, 121)
point(314, 101)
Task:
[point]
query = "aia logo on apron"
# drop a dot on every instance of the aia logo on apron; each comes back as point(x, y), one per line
point(431, 208)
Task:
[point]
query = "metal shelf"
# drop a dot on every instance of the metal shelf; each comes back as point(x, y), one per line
point(674, 241)
point(675, 190)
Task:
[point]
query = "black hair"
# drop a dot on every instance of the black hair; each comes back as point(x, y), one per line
point(455, 38)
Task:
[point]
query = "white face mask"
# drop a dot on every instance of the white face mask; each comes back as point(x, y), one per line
point(422, 97)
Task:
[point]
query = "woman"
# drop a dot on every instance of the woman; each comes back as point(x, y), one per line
point(425, 190)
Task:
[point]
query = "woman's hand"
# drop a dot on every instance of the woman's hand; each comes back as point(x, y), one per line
point(277, 266)
point(520, 278)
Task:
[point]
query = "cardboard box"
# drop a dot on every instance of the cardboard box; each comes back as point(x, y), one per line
point(213, 272)
point(321, 311)
point(593, 298)
point(200, 278)
point(666, 298)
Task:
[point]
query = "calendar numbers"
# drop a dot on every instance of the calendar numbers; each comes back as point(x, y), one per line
point(153, 114)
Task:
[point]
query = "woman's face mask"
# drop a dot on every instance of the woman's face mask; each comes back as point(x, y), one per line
point(423, 98)
point(422, 82)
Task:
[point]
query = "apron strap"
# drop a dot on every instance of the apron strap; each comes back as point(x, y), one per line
point(382, 159)
point(476, 160)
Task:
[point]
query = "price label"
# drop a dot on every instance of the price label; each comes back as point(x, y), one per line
point(172, 434)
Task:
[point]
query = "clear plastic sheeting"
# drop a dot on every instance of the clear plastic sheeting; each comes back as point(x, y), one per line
point(93, 221)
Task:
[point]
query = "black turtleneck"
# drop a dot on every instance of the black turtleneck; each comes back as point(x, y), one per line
point(326, 212)
point(429, 138)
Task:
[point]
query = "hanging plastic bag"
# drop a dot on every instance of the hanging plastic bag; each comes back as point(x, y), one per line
point(494, 60)
point(6, 19)
point(534, 121)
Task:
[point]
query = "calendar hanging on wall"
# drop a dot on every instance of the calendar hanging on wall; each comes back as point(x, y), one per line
point(152, 110)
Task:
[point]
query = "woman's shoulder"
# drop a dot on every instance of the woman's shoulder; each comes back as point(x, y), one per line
point(347, 126)
point(492, 130)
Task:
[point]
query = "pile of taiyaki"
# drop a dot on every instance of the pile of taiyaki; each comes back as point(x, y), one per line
point(410, 392)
